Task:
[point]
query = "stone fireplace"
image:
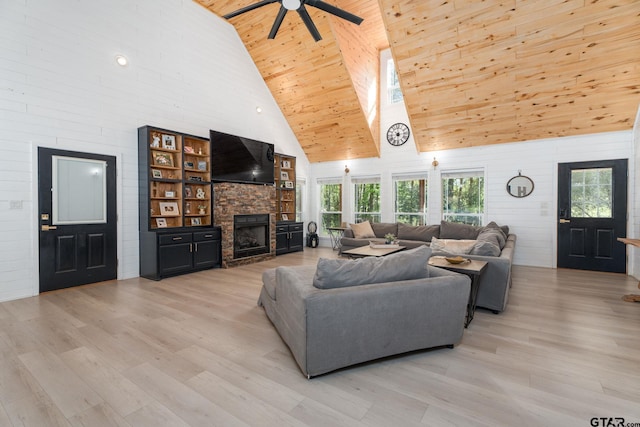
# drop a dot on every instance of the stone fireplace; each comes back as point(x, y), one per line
point(233, 201)
point(250, 235)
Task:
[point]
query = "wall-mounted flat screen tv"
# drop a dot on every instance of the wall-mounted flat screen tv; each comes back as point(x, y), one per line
point(238, 159)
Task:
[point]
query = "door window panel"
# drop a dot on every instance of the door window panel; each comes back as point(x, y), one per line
point(591, 193)
point(79, 191)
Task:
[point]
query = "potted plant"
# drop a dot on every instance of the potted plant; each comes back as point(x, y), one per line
point(389, 238)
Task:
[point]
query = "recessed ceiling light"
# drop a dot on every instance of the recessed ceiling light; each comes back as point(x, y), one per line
point(122, 60)
point(291, 4)
point(259, 110)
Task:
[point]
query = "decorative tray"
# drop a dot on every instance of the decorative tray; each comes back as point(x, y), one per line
point(383, 245)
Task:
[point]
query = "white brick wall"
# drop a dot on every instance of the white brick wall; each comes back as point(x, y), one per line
point(60, 87)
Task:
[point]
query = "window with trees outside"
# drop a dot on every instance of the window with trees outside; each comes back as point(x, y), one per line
point(463, 197)
point(410, 194)
point(330, 204)
point(300, 186)
point(366, 199)
point(394, 93)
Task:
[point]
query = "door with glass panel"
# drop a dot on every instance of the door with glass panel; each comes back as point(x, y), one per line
point(592, 214)
point(76, 219)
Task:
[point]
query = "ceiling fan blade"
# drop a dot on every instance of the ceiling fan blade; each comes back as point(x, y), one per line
point(319, 4)
point(248, 8)
point(276, 24)
point(309, 23)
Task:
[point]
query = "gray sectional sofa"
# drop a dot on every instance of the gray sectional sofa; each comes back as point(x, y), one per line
point(481, 243)
point(344, 312)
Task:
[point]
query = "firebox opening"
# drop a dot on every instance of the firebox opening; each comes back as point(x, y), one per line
point(250, 235)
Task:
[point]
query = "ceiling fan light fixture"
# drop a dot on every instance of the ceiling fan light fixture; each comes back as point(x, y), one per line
point(291, 4)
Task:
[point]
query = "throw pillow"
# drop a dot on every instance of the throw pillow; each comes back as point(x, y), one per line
point(452, 246)
point(362, 230)
point(453, 230)
point(422, 233)
point(339, 273)
point(485, 248)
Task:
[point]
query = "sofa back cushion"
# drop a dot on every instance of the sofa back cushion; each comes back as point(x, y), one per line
point(453, 230)
point(362, 230)
point(422, 233)
point(452, 246)
point(380, 229)
point(339, 273)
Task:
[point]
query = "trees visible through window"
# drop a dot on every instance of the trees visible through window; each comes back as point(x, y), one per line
point(330, 205)
point(367, 199)
point(463, 197)
point(591, 193)
point(410, 193)
point(394, 93)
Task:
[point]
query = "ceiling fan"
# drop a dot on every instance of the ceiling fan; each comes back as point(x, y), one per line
point(298, 5)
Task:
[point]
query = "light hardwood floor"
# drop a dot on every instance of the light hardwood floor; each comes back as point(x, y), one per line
point(196, 350)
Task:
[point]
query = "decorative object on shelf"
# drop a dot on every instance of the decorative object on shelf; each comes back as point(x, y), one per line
point(169, 209)
point(288, 184)
point(202, 210)
point(285, 217)
point(196, 221)
point(169, 142)
point(284, 175)
point(202, 165)
point(188, 192)
point(169, 194)
point(187, 208)
point(156, 140)
point(520, 186)
point(162, 159)
point(195, 178)
point(200, 194)
point(188, 165)
point(161, 222)
point(188, 149)
point(199, 150)
point(286, 164)
point(398, 134)
point(156, 173)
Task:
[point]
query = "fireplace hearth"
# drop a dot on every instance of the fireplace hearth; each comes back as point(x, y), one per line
point(250, 235)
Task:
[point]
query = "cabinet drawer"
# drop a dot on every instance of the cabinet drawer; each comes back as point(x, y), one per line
point(296, 227)
point(170, 239)
point(206, 235)
point(282, 228)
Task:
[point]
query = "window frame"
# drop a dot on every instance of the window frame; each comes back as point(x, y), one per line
point(462, 174)
point(375, 216)
point(322, 230)
point(422, 216)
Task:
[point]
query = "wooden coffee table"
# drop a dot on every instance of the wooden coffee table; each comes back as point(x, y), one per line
point(472, 268)
point(365, 251)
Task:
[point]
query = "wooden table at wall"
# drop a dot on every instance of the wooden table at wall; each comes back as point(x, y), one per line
point(636, 243)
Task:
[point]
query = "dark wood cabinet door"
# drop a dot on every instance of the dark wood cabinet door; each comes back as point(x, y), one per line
point(175, 258)
point(206, 254)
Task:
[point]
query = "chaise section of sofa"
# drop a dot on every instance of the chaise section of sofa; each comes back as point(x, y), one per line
point(328, 329)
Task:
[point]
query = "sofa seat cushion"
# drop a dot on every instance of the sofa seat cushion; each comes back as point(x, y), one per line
point(339, 273)
point(453, 230)
point(362, 230)
point(418, 232)
point(452, 246)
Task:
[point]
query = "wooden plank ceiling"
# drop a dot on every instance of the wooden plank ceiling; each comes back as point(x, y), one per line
point(472, 72)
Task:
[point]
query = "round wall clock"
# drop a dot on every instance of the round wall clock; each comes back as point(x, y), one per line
point(398, 134)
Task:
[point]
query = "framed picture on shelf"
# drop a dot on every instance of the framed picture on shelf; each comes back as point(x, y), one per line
point(285, 217)
point(161, 222)
point(284, 176)
point(188, 192)
point(162, 159)
point(286, 164)
point(196, 221)
point(169, 209)
point(188, 165)
point(169, 142)
point(288, 184)
point(156, 173)
point(169, 194)
point(202, 165)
